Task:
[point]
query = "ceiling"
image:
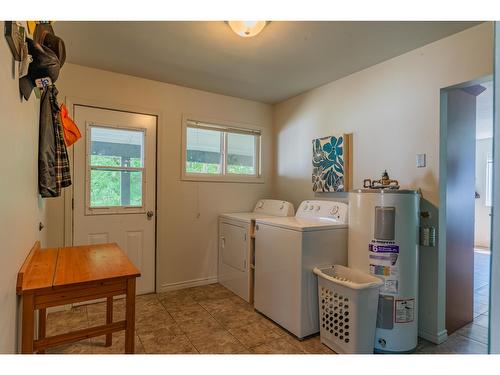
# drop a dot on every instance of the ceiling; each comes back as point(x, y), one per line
point(286, 59)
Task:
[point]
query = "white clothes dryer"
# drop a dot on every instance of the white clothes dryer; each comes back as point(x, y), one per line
point(237, 242)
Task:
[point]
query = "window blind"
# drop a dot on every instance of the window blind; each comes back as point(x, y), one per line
point(224, 128)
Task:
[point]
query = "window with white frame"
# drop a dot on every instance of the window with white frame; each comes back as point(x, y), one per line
point(220, 152)
point(489, 183)
point(115, 168)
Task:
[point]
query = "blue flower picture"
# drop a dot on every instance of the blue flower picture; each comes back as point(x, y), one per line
point(329, 156)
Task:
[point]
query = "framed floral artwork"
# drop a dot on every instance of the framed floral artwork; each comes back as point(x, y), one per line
point(332, 163)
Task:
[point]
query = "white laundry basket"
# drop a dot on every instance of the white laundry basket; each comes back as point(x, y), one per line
point(348, 302)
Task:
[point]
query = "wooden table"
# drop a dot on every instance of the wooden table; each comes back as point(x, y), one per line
point(61, 276)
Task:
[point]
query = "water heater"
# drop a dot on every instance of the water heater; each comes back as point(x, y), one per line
point(383, 240)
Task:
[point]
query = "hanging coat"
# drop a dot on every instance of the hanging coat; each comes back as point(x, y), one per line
point(53, 161)
point(47, 186)
point(63, 175)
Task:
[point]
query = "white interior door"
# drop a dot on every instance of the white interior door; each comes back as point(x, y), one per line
point(459, 204)
point(114, 185)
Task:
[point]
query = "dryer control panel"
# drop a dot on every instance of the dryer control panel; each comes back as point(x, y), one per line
point(328, 210)
point(274, 207)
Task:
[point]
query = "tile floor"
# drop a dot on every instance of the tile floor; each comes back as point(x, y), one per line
point(211, 319)
point(208, 319)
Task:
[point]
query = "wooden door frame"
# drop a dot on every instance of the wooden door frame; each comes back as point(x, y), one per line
point(442, 226)
point(71, 102)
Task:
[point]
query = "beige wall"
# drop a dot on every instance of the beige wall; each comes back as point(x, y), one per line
point(187, 211)
point(482, 222)
point(392, 109)
point(20, 207)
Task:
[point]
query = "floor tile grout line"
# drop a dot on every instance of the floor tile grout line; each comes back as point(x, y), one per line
point(193, 345)
point(176, 323)
point(209, 313)
point(471, 339)
point(165, 308)
point(274, 329)
point(225, 328)
point(140, 340)
point(246, 347)
point(186, 335)
point(228, 330)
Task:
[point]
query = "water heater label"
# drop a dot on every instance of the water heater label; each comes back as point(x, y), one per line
point(384, 264)
point(404, 310)
point(390, 286)
point(376, 248)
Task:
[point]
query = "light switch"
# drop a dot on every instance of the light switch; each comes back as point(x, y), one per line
point(420, 160)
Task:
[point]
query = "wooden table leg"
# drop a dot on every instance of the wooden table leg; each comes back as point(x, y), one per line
point(28, 324)
point(130, 317)
point(109, 319)
point(42, 325)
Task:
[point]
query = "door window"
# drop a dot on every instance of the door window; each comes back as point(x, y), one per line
point(115, 169)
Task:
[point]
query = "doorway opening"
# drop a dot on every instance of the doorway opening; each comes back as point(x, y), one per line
point(465, 212)
point(483, 204)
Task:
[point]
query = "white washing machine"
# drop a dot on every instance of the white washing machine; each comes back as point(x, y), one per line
point(237, 242)
point(286, 251)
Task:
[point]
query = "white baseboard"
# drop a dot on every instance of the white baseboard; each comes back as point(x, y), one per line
point(186, 284)
point(438, 338)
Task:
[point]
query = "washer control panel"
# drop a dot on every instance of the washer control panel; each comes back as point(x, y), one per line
point(329, 210)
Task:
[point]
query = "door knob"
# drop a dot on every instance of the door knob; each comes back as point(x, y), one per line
point(150, 215)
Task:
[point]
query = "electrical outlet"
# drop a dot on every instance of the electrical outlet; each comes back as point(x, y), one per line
point(421, 161)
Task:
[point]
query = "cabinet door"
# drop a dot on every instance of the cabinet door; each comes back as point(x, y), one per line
point(233, 244)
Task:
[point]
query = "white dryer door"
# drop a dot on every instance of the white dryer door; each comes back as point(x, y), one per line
point(234, 246)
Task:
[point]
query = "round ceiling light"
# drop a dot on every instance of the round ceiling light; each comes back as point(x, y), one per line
point(247, 29)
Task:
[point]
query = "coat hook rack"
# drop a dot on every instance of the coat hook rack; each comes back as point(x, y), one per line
point(42, 84)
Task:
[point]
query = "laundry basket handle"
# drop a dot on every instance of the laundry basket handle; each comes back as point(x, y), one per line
point(348, 283)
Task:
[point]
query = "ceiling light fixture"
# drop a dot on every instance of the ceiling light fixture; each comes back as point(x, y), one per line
point(247, 29)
